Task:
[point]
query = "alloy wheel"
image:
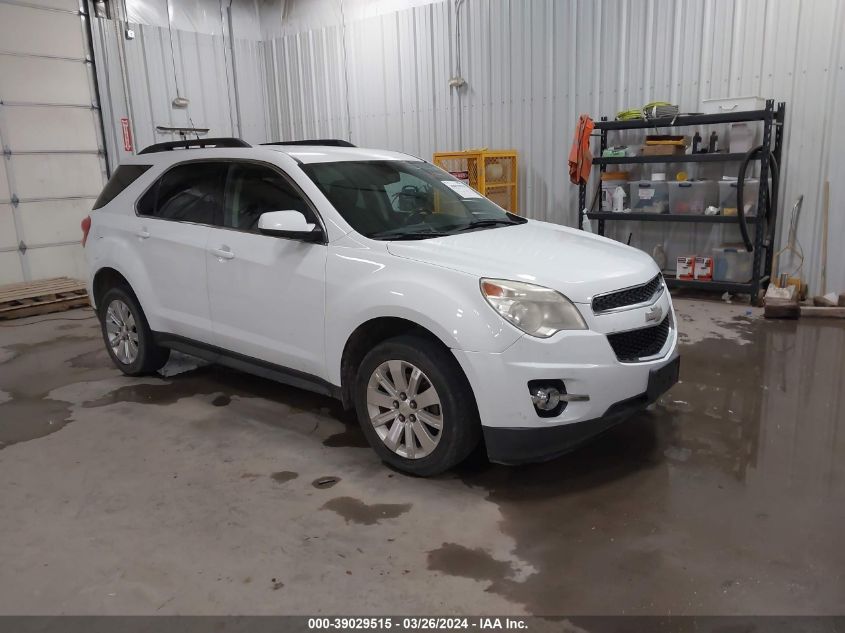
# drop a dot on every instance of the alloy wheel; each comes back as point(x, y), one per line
point(404, 409)
point(122, 332)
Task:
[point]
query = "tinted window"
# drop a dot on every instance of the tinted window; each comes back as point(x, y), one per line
point(192, 192)
point(255, 189)
point(122, 177)
point(405, 199)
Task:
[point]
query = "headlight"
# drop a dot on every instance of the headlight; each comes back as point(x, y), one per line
point(535, 310)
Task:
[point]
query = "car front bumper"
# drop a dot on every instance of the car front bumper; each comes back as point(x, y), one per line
point(587, 365)
point(536, 444)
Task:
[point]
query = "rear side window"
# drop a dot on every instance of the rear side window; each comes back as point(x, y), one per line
point(192, 192)
point(122, 177)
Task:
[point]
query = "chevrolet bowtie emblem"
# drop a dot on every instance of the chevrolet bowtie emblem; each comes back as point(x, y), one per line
point(654, 313)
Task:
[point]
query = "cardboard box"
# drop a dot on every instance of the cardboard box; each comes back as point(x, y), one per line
point(663, 150)
point(703, 270)
point(686, 267)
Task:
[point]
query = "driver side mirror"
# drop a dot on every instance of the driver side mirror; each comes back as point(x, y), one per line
point(289, 224)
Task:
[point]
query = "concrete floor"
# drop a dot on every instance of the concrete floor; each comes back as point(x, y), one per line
point(213, 492)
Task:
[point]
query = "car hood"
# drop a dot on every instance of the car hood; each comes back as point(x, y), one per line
point(576, 263)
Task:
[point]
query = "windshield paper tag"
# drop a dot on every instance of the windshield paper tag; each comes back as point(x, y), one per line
point(464, 191)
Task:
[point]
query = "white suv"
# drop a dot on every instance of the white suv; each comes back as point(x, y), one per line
point(379, 279)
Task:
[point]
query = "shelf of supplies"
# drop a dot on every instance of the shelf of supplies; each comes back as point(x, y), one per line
point(685, 119)
point(673, 158)
point(668, 217)
point(715, 286)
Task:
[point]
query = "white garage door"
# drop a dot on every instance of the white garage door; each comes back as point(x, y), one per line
point(50, 132)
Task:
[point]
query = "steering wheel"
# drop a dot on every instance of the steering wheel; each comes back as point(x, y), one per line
point(417, 216)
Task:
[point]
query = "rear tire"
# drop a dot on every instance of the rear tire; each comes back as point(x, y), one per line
point(415, 406)
point(127, 334)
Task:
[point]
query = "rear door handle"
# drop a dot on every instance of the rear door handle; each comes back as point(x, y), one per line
point(223, 252)
point(143, 234)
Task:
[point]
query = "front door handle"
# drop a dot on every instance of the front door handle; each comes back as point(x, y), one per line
point(143, 233)
point(223, 252)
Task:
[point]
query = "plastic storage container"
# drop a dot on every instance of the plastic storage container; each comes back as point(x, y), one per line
point(649, 196)
point(692, 197)
point(732, 104)
point(732, 263)
point(727, 196)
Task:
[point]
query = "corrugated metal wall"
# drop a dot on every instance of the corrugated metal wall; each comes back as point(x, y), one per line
point(533, 66)
point(223, 80)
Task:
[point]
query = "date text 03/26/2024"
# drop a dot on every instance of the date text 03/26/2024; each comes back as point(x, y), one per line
point(417, 623)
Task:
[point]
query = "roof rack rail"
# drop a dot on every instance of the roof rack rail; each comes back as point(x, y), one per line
point(330, 142)
point(192, 143)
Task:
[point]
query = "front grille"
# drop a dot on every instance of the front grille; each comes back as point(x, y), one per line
point(636, 344)
point(628, 296)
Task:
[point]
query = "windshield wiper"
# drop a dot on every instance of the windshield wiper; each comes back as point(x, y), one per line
point(410, 235)
point(483, 223)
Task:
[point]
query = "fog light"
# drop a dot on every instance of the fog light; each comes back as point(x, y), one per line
point(546, 398)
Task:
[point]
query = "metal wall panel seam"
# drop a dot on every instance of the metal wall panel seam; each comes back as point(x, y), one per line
point(34, 104)
point(117, 28)
point(106, 107)
point(15, 201)
point(56, 198)
point(42, 56)
point(32, 247)
point(48, 152)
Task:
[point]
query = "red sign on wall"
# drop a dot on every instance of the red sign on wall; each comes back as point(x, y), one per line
point(127, 134)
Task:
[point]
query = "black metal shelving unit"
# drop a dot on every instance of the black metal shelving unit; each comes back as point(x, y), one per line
point(772, 118)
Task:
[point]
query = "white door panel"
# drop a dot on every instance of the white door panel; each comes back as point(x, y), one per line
point(52, 221)
point(5, 195)
point(10, 267)
point(67, 5)
point(44, 128)
point(39, 32)
point(57, 261)
point(267, 299)
point(8, 235)
point(57, 175)
point(59, 80)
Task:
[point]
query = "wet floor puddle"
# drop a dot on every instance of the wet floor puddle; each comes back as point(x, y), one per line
point(356, 511)
point(29, 372)
point(730, 488)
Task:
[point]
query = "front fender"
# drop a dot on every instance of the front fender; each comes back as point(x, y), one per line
point(365, 283)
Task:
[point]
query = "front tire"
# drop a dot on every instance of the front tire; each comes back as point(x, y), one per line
point(127, 334)
point(415, 406)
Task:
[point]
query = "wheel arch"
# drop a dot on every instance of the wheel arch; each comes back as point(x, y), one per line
point(366, 336)
point(105, 278)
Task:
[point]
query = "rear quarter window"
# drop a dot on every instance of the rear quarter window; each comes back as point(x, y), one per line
point(122, 177)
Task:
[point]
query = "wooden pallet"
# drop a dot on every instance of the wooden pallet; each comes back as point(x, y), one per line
point(41, 297)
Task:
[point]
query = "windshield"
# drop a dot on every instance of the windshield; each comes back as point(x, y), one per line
point(396, 200)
